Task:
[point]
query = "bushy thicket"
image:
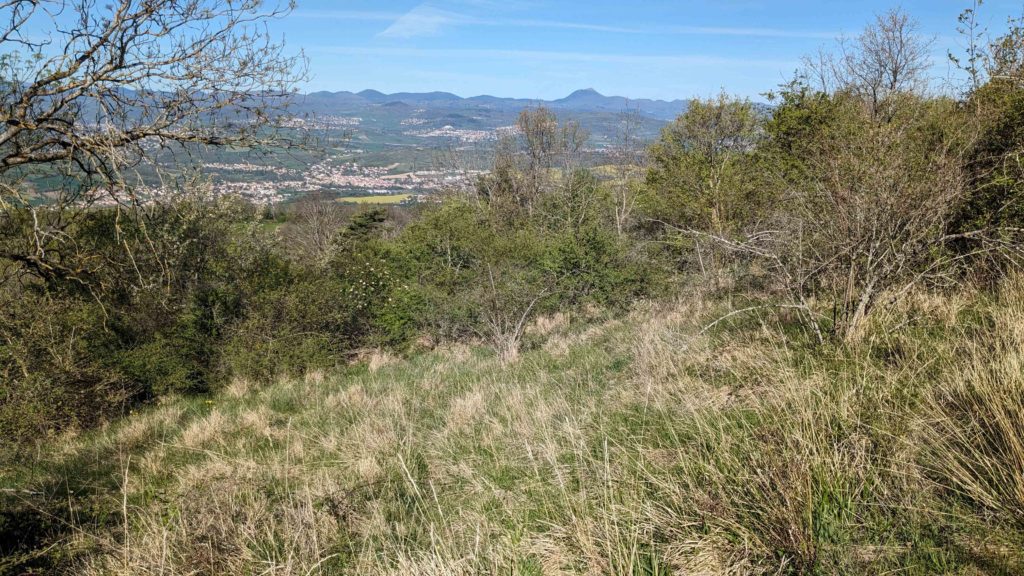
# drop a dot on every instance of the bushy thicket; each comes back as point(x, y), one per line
point(838, 391)
point(857, 186)
point(152, 297)
point(180, 297)
point(852, 189)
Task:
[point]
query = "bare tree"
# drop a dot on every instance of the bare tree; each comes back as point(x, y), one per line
point(973, 60)
point(111, 88)
point(313, 228)
point(535, 162)
point(541, 145)
point(629, 159)
point(572, 140)
point(889, 57)
point(820, 70)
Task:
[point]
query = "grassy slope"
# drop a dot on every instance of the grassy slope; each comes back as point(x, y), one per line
point(629, 447)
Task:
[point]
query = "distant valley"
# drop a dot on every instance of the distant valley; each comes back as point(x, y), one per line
point(405, 145)
point(397, 148)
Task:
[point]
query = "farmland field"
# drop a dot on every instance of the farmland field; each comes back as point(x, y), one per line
point(380, 199)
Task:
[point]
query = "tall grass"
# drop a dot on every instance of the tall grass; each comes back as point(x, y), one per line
point(641, 445)
point(974, 421)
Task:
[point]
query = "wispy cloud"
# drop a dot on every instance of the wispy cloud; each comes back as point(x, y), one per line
point(367, 15)
point(555, 56)
point(424, 20)
point(428, 19)
point(563, 25)
point(499, 4)
point(747, 32)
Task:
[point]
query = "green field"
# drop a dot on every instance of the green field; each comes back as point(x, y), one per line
point(389, 199)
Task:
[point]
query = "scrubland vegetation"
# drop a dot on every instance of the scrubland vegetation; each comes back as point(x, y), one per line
point(628, 445)
point(775, 341)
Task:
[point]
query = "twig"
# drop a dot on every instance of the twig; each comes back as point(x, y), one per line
point(751, 309)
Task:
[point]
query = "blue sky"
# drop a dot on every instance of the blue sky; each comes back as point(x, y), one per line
point(545, 48)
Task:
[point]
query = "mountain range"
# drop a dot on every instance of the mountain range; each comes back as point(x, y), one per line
point(586, 100)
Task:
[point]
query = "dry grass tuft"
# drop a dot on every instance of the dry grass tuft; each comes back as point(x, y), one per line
point(238, 388)
point(974, 421)
point(547, 325)
point(639, 446)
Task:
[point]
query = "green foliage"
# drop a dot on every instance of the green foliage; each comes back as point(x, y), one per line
point(454, 252)
point(597, 267)
point(996, 174)
point(703, 174)
point(318, 317)
point(139, 309)
point(54, 367)
point(475, 272)
point(763, 446)
point(802, 119)
point(759, 452)
point(290, 329)
point(364, 226)
point(823, 206)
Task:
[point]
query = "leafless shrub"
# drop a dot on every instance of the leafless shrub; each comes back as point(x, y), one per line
point(871, 220)
point(313, 228)
point(889, 57)
point(629, 160)
point(509, 302)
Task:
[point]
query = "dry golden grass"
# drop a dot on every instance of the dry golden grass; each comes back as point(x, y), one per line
point(974, 422)
point(638, 446)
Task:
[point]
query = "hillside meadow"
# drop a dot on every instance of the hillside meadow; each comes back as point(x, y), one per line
point(778, 339)
point(637, 445)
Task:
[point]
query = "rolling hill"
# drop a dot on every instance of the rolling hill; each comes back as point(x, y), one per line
point(586, 100)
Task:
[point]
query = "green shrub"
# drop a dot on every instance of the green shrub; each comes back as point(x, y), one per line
point(53, 368)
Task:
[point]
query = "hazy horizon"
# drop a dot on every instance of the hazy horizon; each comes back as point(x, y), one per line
point(468, 96)
point(543, 50)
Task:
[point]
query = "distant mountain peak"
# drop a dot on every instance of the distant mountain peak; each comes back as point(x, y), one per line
point(590, 98)
point(585, 92)
point(583, 100)
point(371, 94)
